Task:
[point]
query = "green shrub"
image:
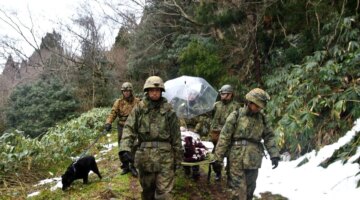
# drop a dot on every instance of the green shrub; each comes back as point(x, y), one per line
point(58, 145)
point(35, 108)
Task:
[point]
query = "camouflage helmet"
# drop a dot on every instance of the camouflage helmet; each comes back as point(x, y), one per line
point(154, 82)
point(126, 86)
point(258, 97)
point(226, 89)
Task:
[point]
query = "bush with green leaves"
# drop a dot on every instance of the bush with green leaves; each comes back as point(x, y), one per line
point(58, 145)
point(316, 101)
point(200, 58)
point(34, 108)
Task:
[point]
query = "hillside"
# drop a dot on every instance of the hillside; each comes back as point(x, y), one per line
point(63, 142)
point(50, 156)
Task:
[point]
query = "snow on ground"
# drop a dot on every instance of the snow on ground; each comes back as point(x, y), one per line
point(47, 181)
point(337, 181)
point(33, 194)
point(57, 180)
point(310, 181)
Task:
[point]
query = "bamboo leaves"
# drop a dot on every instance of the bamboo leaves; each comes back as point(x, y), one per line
point(57, 145)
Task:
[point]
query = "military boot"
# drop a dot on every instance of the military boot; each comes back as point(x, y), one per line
point(187, 170)
point(217, 176)
point(196, 172)
point(125, 168)
point(133, 170)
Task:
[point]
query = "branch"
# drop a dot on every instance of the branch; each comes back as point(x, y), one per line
point(158, 40)
point(337, 25)
point(282, 27)
point(16, 27)
point(183, 13)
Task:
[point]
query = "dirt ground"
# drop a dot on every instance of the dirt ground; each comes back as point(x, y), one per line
point(212, 190)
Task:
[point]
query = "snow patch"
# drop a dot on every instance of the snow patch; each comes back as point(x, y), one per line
point(310, 181)
point(108, 147)
point(56, 186)
point(33, 194)
point(49, 180)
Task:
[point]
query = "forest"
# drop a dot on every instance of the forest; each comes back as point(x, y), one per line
point(304, 53)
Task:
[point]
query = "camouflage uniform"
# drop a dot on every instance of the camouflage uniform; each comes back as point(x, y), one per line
point(156, 127)
point(198, 122)
point(121, 109)
point(241, 136)
point(194, 124)
point(220, 113)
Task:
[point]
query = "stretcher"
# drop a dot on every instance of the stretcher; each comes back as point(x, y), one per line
point(207, 161)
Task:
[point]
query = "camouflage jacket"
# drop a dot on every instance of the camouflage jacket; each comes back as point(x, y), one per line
point(121, 109)
point(242, 135)
point(221, 112)
point(153, 126)
point(194, 124)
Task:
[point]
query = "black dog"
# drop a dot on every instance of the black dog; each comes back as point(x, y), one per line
point(79, 170)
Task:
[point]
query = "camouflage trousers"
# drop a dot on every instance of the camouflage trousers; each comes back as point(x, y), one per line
point(157, 186)
point(227, 168)
point(242, 184)
point(120, 131)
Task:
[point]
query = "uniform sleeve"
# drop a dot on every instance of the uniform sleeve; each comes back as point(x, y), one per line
point(199, 124)
point(182, 122)
point(225, 136)
point(269, 140)
point(214, 123)
point(175, 137)
point(114, 112)
point(130, 131)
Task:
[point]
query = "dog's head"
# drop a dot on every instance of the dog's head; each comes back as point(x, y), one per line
point(68, 177)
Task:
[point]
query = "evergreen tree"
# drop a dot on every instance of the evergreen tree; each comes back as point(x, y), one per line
point(35, 108)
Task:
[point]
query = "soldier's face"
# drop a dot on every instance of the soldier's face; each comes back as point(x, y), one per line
point(225, 96)
point(154, 94)
point(254, 108)
point(126, 93)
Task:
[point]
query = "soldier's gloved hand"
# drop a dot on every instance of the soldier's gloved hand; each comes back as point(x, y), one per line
point(126, 157)
point(108, 127)
point(275, 162)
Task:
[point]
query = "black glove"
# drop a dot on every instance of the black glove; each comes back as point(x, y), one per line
point(108, 127)
point(125, 157)
point(217, 166)
point(275, 162)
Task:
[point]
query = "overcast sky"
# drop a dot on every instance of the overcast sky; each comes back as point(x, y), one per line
point(44, 16)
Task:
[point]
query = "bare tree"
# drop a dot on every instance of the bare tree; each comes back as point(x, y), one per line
point(125, 14)
point(26, 32)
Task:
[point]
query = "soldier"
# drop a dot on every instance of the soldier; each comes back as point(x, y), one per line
point(156, 127)
point(121, 109)
point(241, 136)
point(192, 116)
point(194, 124)
point(221, 110)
